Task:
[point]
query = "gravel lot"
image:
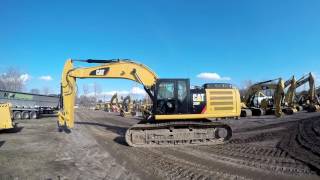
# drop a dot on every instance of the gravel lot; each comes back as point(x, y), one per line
point(261, 148)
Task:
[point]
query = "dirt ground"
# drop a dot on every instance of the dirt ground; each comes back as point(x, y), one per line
point(261, 148)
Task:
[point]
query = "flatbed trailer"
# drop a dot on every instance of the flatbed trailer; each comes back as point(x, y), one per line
point(28, 105)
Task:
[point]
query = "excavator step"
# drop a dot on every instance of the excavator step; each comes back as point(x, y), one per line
point(177, 133)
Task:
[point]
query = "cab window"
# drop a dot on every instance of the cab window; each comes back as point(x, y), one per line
point(182, 90)
point(166, 90)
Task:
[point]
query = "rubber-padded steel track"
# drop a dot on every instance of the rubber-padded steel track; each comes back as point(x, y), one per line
point(178, 133)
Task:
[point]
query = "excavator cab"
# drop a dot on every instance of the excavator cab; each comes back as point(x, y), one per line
point(172, 96)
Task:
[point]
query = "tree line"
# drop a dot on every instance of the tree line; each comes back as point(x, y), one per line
point(12, 79)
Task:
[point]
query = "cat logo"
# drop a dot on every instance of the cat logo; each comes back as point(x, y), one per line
point(198, 97)
point(99, 72)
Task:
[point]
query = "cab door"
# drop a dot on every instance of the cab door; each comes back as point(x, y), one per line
point(172, 96)
point(183, 96)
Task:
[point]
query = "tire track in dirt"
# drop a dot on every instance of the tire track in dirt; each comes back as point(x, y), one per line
point(260, 158)
point(239, 153)
point(303, 142)
point(87, 158)
point(168, 166)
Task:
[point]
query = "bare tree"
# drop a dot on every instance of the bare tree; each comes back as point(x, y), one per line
point(86, 101)
point(2, 84)
point(35, 91)
point(89, 101)
point(85, 89)
point(46, 90)
point(13, 80)
point(245, 86)
point(96, 90)
point(247, 83)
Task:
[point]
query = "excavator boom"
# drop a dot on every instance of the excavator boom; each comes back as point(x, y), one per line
point(289, 97)
point(110, 69)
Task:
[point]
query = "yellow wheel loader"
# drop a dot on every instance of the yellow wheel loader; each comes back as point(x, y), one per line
point(180, 115)
point(6, 117)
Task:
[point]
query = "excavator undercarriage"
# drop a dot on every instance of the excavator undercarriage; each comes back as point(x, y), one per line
point(178, 133)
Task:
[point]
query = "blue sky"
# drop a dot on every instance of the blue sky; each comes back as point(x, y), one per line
point(239, 40)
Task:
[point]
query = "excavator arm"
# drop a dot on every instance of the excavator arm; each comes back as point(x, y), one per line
point(289, 97)
point(114, 102)
point(121, 69)
point(312, 90)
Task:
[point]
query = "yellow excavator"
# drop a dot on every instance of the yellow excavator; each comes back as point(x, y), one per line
point(248, 108)
point(6, 117)
point(99, 106)
point(290, 96)
point(107, 107)
point(180, 115)
point(310, 102)
point(127, 107)
point(145, 107)
point(114, 103)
